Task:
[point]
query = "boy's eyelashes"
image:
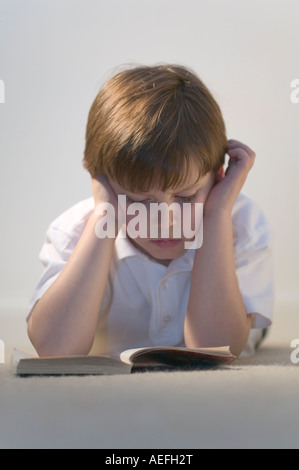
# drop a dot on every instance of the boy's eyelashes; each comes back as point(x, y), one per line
point(147, 201)
point(187, 198)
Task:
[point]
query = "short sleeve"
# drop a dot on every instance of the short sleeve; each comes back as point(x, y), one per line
point(253, 261)
point(55, 252)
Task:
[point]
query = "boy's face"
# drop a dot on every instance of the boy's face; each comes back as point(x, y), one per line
point(160, 248)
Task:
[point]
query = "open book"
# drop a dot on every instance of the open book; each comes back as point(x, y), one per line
point(130, 361)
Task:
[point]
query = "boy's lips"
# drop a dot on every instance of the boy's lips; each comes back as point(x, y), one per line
point(166, 242)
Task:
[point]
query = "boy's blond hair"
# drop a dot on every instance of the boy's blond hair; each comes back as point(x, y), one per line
point(148, 124)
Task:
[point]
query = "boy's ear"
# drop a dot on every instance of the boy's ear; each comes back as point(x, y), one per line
point(220, 174)
point(221, 171)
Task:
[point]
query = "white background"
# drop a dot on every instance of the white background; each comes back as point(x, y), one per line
point(55, 55)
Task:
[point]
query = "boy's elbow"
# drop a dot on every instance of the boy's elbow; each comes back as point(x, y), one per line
point(241, 339)
point(47, 345)
point(236, 340)
point(41, 346)
point(46, 348)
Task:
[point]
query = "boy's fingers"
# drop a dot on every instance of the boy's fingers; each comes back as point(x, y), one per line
point(100, 178)
point(235, 144)
point(242, 156)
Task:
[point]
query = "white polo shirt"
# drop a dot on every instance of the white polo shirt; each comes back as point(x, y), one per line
point(144, 301)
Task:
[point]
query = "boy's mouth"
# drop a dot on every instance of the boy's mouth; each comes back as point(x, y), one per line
point(167, 242)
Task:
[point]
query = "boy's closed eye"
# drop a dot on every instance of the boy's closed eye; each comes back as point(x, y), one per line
point(130, 200)
point(197, 191)
point(179, 198)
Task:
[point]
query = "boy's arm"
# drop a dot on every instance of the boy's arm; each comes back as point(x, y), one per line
point(216, 314)
point(64, 320)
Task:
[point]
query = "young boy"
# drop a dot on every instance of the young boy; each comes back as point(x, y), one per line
point(156, 135)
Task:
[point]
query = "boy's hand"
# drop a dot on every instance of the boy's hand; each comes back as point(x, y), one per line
point(227, 187)
point(102, 191)
point(105, 200)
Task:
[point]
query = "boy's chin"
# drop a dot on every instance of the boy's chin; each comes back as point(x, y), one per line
point(167, 250)
point(161, 249)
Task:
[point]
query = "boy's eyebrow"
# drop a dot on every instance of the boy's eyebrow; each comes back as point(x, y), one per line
point(198, 184)
point(193, 186)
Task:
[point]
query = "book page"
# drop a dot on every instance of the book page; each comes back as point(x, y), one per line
point(129, 355)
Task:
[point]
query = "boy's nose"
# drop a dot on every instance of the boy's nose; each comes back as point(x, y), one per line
point(168, 220)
